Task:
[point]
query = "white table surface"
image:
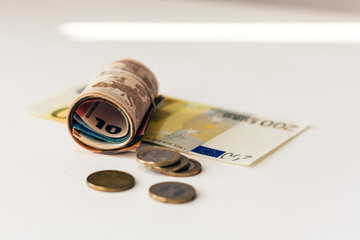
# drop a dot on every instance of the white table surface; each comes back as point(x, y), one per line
point(308, 189)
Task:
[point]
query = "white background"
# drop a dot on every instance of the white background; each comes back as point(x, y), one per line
point(308, 189)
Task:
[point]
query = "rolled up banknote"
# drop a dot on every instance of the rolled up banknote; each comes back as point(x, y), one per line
point(112, 112)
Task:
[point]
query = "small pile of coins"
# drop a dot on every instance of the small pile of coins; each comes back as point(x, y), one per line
point(168, 161)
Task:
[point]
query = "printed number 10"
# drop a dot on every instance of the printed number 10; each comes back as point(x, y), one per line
point(108, 128)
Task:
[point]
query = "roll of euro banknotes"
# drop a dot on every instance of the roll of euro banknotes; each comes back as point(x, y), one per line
point(112, 112)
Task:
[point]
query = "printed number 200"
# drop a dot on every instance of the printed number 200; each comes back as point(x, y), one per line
point(108, 128)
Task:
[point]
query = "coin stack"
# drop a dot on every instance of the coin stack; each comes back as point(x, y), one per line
point(168, 161)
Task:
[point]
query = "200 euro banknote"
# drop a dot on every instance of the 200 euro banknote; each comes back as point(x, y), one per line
point(197, 129)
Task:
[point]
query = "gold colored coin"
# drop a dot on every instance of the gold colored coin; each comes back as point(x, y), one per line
point(172, 192)
point(110, 181)
point(184, 162)
point(159, 157)
point(193, 168)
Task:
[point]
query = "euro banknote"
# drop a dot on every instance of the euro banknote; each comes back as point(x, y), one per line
point(197, 129)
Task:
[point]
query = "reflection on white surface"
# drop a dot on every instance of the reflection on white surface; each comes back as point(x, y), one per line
point(332, 32)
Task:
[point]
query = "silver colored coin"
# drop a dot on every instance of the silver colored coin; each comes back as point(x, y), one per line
point(184, 163)
point(172, 192)
point(159, 157)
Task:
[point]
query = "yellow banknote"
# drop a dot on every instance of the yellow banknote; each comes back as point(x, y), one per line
point(217, 133)
point(198, 129)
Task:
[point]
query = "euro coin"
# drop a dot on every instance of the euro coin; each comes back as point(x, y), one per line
point(184, 162)
point(193, 168)
point(172, 192)
point(110, 181)
point(159, 157)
